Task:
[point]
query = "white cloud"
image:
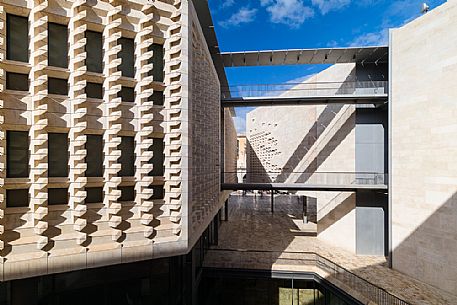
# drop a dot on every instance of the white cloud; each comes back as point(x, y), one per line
point(290, 12)
point(244, 15)
point(371, 39)
point(326, 6)
point(227, 3)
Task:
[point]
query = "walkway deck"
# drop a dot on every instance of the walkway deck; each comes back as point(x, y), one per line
point(302, 187)
point(305, 100)
point(278, 237)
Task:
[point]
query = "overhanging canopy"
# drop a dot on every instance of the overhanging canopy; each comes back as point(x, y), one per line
point(372, 55)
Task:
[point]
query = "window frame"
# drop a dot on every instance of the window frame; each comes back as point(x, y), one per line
point(51, 59)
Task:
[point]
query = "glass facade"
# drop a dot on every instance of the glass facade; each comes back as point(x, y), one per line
point(252, 290)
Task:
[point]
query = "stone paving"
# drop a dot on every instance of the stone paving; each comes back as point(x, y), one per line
point(254, 238)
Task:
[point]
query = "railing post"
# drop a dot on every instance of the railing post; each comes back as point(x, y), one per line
point(226, 209)
point(272, 201)
point(305, 208)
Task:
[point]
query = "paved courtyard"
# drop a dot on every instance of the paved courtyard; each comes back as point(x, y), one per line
point(255, 238)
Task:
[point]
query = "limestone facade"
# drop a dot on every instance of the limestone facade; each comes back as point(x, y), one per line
point(424, 149)
point(39, 238)
point(283, 142)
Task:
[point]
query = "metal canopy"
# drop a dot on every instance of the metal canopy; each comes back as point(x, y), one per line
point(368, 55)
point(206, 22)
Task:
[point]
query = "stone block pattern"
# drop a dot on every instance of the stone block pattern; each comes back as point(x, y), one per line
point(424, 147)
point(204, 135)
point(40, 238)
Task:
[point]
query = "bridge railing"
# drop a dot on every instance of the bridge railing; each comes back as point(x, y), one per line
point(315, 89)
point(366, 289)
point(315, 178)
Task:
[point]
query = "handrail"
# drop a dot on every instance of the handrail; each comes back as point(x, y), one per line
point(305, 89)
point(306, 83)
point(334, 178)
point(367, 289)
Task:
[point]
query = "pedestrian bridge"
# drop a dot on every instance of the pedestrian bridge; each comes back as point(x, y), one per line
point(311, 93)
point(315, 181)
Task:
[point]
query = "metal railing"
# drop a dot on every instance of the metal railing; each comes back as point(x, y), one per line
point(315, 89)
point(316, 178)
point(361, 286)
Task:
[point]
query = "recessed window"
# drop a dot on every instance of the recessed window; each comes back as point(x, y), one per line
point(127, 158)
point(17, 154)
point(94, 195)
point(157, 98)
point(158, 192)
point(17, 198)
point(94, 50)
point(158, 158)
point(94, 156)
point(157, 62)
point(57, 86)
point(57, 196)
point(127, 193)
point(17, 39)
point(126, 54)
point(94, 90)
point(57, 45)
point(17, 81)
point(58, 155)
point(127, 94)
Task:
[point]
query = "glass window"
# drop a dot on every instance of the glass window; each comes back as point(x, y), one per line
point(157, 62)
point(158, 192)
point(94, 50)
point(58, 155)
point(94, 90)
point(17, 81)
point(57, 196)
point(17, 154)
point(127, 158)
point(17, 38)
point(57, 86)
point(127, 94)
point(158, 158)
point(94, 156)
point(94, 194)
point(157, 98)
point(17, 198)
point(57, 45)
point(127, 193)
point(127, 66)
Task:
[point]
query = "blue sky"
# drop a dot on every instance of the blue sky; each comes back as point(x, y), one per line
point(246, 25)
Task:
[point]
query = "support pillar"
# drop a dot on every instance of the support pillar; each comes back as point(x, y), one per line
point(305, 208)
point(226, 209)
point(272, 202)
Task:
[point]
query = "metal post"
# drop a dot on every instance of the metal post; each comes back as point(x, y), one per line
point(226, 209)
point(305, 205)
point(272, 202)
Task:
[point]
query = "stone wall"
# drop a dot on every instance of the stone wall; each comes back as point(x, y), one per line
point(424, 147)
point(41, 238)
point(204, 134)
point(283, 142)
point(230, 147)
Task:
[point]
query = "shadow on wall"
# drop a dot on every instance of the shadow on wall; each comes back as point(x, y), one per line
point(337, 213)
point(256, 172)
point(336, 140)
point(429, 253)
point(322, 122)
